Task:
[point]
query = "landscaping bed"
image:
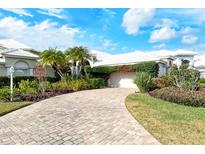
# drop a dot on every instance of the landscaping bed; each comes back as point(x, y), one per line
point(179, 96)
point(169, 123)
point(41, 96)
point(12, 106)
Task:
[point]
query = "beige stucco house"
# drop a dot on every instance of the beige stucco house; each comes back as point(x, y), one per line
point(18, 55)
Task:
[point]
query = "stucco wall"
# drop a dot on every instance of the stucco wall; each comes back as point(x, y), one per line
point(12, 61)
point(31, 65)
point(122, 80)
point(162, 69)
point(2, 70)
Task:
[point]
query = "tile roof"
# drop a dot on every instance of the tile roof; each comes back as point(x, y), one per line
point(137, 56)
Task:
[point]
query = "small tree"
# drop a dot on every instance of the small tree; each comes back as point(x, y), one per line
point(185, 78)
point(143, 81)
point(40, 74)
point(78, 57)
point(54, 58)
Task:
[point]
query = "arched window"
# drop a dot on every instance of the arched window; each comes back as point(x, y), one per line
point(21, 68)
point(185, 61)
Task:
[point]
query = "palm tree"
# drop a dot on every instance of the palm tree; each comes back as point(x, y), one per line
point(78, 57)
point(54, 58)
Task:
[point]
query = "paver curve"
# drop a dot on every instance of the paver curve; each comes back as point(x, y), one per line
point(85, 117)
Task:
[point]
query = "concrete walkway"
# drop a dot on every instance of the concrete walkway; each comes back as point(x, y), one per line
point(85, 117)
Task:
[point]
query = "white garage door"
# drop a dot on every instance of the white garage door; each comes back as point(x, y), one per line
point(122, 80)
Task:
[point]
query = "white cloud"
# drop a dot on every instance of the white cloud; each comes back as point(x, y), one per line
point(102, 42)
point(164, 31)
point(162, 34)
point(165, 22)
point(125, 48)
point(187, 30)
point(189, 39)
point(160, 46)
point(134, 19)
point(39, 36)
point(109, 44)
point(58, 13)
point(21, 12)
point(108, 15)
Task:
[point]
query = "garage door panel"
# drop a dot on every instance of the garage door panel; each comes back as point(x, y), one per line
point(122, 80)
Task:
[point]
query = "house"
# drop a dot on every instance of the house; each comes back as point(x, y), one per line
point(20, 56)
point(164, 58)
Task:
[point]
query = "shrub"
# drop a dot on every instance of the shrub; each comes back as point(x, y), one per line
point(95, 83)
point(5, 94)
point(5, 81)
point(102, 69)
point(59, 85)
point(143, 81)
point(47, 85)
point(176, 95)
point(28, 87)
point(150, 67)
point(162, 82)
point(80, 84)
point(77, 85)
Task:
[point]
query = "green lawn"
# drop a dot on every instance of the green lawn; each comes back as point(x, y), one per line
point(11, 106)
point(169, 123)
point(202, 85)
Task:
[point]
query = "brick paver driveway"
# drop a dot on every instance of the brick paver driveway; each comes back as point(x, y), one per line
point(86, 117)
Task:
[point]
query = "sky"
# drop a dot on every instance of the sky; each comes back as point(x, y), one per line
point(112, 31)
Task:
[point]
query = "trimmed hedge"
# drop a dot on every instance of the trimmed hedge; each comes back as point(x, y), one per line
point(150, 67)
point(173, 94)
point(5, 81)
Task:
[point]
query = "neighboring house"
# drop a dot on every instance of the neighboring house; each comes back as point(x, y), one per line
point(18, 55)
point(164, 58)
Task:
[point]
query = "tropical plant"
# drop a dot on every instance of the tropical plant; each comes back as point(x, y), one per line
point(78, 57)
point(54, 58)
point(185, 78)
point(143, 80)
point(28, 87)
point(5, 93)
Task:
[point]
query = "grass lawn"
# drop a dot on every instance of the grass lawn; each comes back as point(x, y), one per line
point(11, 106)
point(202, 85)
point(169, 123)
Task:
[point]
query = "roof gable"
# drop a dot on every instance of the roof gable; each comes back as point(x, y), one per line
point(13, 44)
point(20, 53)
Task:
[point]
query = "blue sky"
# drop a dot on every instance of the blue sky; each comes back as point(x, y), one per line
point(110, 30)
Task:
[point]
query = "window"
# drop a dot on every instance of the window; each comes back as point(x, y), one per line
point(21, 69)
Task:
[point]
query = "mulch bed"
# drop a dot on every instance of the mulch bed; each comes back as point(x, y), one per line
point(41, 96)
